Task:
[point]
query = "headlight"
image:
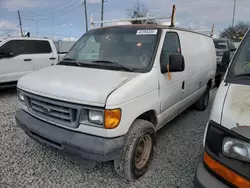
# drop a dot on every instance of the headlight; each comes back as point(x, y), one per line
point(96, 117)
point(20, 96)
point(108, 119)
point(236, 149)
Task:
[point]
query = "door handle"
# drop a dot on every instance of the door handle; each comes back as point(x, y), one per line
point(52, 58)
point(183, 85)
point(27, 59)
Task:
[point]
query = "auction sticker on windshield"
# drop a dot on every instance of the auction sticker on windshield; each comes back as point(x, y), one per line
point(147, 32)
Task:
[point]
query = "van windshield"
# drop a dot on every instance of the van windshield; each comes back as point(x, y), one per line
point(240, 67)
point(220, 44)
point(127, 47)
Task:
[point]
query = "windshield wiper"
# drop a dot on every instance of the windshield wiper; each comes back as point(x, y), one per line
point(73, 60)
point(69, 59)
point(114, 63)
point(242, 75)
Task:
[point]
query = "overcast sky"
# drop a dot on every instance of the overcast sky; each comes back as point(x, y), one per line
point(65, 19)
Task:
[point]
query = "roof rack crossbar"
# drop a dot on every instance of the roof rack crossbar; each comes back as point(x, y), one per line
point(207, 30)
point(172, 17)
point(132, 19)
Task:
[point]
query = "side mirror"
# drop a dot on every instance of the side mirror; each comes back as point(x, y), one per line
point(175, 62)
point(233, 49)
point(6, 54)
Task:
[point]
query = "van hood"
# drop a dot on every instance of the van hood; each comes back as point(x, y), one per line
point(75, 84)
point(236, 110)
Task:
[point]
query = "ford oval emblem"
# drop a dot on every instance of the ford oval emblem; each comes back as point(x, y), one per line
point(46, 110)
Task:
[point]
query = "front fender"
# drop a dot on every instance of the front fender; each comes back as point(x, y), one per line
point(135, 97)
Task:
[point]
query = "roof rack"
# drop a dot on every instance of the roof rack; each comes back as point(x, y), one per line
point(209, 31)
point(172, 17)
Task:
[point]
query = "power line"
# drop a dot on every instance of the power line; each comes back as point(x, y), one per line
point(77, 2)
point(209, 3)
point(54, 12)
point(69, 11)
point(60, 5)
point(54, 15)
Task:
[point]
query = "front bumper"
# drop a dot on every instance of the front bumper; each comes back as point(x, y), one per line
point(204, 179)
point(73, 143)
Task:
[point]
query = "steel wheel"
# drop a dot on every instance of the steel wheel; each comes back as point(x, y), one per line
point(143, 151)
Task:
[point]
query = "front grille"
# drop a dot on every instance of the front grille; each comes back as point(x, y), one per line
point(58, 112)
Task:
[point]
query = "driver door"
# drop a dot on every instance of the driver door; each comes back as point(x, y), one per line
point(171, 90)
point(21, 63)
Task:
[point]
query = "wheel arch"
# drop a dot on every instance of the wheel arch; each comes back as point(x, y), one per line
point(150, 116)
point(210, 83)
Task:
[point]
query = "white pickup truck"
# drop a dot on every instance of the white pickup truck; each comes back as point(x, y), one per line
point(20, 56)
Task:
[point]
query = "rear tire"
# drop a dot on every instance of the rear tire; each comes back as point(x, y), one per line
point(138, 151)
point(202, 103)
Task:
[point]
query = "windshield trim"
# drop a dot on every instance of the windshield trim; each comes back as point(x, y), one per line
point(142, 70)
point(230, 78)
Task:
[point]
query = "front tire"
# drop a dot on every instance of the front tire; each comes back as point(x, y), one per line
point(138, 151)
point(203, 102)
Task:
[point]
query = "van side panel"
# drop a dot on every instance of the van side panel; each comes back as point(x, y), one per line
point(200, 61)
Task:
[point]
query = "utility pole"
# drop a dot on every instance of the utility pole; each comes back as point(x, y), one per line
point(102, 12)
point(234, 13)
point(86, 14)
point(20, 23)
point(53, 26)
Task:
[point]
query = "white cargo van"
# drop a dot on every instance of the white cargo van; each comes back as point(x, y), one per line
point(115, 88)
point(226, 158)
point(23, 55)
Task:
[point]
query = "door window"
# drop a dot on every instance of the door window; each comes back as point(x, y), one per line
point(18, 47)
point(171, 45)
point(41, 47)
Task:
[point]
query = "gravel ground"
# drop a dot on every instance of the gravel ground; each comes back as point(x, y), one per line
point(24, 163)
